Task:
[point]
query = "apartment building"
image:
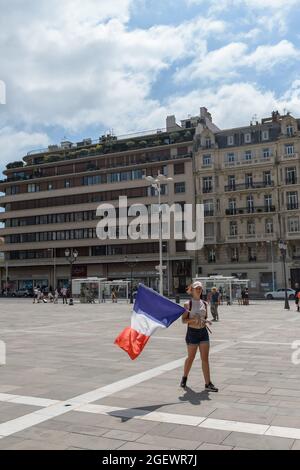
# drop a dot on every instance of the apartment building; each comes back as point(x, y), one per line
point(51, 197)
point(248, 179)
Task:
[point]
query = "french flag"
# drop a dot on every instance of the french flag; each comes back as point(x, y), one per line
point(151, 311)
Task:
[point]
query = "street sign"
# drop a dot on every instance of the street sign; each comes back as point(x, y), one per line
point(158, 267)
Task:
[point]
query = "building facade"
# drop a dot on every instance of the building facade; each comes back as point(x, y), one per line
point(51, 197)
point(248, 179)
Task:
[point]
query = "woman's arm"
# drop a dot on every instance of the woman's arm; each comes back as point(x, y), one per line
point(185, 316)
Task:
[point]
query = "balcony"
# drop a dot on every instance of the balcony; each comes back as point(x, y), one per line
point(208, 213)
point(249, 210)
point(287, 156)
point(292, 206)
point(252, 259)
point(292, 180)
point(207, 190)
point(253, 185)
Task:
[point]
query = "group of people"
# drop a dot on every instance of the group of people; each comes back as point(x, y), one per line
point(40, 296)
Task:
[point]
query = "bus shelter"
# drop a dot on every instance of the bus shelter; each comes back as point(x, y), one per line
point(225, 284)
point(94, 289)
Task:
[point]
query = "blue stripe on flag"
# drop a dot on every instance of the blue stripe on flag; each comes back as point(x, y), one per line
point(155, 306)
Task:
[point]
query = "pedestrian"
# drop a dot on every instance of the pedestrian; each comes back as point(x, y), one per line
point(238, 295)
point(50, 297)
point(114, 296)
point(64, 295)
point(56, 296)
point(297, 296)
point(246, 296)
point(35, 294)
point(214, 300)
point(195, 316)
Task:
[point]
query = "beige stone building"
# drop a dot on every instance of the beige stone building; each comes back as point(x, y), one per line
point(248, 178)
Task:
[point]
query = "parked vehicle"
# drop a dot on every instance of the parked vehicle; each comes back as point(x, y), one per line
point(22, 293)
point(280, 294)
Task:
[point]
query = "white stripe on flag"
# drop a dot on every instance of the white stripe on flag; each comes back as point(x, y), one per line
point(143, 324)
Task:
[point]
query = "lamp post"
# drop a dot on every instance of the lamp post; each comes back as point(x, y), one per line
point(53, 255)
point(131, 265)
point(272, 258)
point(156, 184)
point(71, 257)
point(283, 249)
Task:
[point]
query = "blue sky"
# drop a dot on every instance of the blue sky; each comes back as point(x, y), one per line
point(77, 69)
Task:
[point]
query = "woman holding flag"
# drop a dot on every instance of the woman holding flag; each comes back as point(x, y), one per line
point(195, 316)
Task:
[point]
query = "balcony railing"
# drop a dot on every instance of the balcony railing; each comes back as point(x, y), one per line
point(207, 190)
point(253, 185)
point(293, 180)
point(249, 210)
point(290, 155)
point(292, 206)
point(208, 213)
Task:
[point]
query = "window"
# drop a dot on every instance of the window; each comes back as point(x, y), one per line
point(231, 182)
point(293, 225)
point(251, 254)
point(50, 186)
point(292, 198)
point(179, 169)
point(289, 130)
point(14, 190)
point(269, 226)
point(251, 227)
point(230, 140)
point(266, 153)
point(230, 157)
point(209, 230)
point(89, 180)
point(33, 188)
point(206, 160)
point(291, 177)
point(233, 230)
point(211, 256)
point(289, 149)
point(207, 184)
point(247, 138)
point(138, 174)
point(248, 155)
point(67, 183)
point(208, 207)
point(268, 202)
point(265, 135)
point(208, 143)
point(179, 187)
point(232, 206)
point(248, 180)
point(234, 254)
point(250, 203)
point(267, 178)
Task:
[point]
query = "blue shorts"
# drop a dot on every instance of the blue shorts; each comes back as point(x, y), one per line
point(196, 336)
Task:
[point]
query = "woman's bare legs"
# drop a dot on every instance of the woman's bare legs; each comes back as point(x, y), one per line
point(192, 350)
point(204, 351)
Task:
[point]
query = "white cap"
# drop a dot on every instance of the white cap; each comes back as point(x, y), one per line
point(196, 284)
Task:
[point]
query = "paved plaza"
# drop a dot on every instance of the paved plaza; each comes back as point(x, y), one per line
point(65, 384)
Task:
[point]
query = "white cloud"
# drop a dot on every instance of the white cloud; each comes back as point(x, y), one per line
point(15, 144)
point(234, 105)
point(226, 62)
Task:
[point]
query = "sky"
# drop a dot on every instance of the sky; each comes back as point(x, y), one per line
point(72, 69)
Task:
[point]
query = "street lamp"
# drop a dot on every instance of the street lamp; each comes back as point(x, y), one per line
point(53, 255)
point(283, 249)
point(131, 265)
point(156, 184)
point(71, 257)
point(272, 258)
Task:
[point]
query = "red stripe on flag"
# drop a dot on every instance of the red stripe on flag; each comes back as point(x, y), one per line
point(132, 342)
